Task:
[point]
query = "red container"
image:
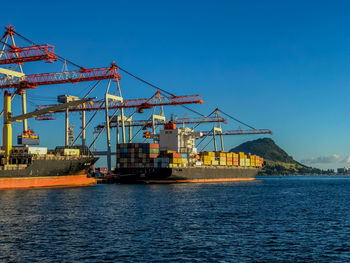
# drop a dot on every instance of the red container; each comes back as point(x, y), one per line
point(154, 145)
point(153, 155)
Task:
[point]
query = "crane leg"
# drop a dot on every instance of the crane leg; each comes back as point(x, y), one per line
point(67, 128)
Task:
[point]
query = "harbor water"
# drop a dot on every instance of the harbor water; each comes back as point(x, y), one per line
point(274, 219)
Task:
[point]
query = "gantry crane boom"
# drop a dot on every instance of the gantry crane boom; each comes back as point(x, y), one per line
point(140, 104)
point(48, 110)
point(145, 123)
point(8, 119)
point(239, 132)
point(218, 131)
point(17, 55)
point(32, 81)
point(149, 123)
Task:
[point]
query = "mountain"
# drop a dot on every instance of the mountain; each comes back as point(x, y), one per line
point(278, 162)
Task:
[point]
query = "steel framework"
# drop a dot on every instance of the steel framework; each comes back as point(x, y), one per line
point(18, 55)
point(32, 81)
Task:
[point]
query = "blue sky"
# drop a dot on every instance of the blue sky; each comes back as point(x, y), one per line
point(281, 65)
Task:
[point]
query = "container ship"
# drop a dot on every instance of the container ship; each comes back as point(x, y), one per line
point(174, 159)
point(28, 167)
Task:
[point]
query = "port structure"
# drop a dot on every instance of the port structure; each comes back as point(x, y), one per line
point(217, 131)
point(9, 119)
point(19, 55)
point(19, 82)
point(11, 54)
point(140, 104)
point(156, 121)
point(75, 76)
point(115, 102)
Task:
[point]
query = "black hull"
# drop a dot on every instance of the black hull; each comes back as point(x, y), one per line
point(188, 174)
point(43, 167)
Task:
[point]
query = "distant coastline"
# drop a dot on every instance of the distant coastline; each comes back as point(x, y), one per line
point(277, 161)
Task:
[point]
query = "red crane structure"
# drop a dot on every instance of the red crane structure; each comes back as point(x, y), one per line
point(18, 55)
point(156, 121)
point(186, 120)
point(217, 130)
point(140, 104)
point(117, 103)
point(75, 76)
point(21, 82)
point(240, 132)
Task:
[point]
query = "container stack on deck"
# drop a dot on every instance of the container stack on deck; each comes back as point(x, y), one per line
point(137, 155)
point(147, 155)
point(230, 159)
point(175, 159)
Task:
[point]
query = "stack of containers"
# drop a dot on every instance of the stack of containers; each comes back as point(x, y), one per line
point(208, 158)
point(247, 162)
point(175, 159)
point(184, 160)
point(252, 160)
point(137, 155)
point(229, 159)
point(235, 159)
point(242, 159)
point(259, 161)
point(161, 162)
point(221, 157)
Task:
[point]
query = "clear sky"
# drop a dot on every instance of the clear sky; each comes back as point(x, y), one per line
point(281, 65)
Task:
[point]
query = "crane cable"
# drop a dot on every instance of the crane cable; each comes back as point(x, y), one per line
point(142, 80)
point(236, 119)
point(60, 57)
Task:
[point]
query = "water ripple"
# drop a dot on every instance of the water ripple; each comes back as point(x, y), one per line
point(293, 219)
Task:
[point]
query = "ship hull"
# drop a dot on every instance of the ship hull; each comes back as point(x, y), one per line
point(46, 182)
point(48, 172)
point(186, 175)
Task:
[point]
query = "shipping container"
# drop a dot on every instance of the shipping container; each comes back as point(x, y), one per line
point(37, 150)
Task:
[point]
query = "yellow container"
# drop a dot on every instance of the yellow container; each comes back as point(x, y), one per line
point(214, 162)
point(241, 162)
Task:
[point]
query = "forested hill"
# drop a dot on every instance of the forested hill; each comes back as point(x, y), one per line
point(278, 162)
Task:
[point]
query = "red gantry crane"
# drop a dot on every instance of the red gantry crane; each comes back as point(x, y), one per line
point(21, 82)
point(83, 74)
point(11, 54)
point(19, 55)
point(140, 104)
point(217, 130)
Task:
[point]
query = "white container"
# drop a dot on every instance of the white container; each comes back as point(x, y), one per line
point(37, 150)
point(71, 152)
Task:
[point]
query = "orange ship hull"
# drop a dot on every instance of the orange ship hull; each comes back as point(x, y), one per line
point(46, 182)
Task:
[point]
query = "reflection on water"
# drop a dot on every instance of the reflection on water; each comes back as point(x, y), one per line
point(273, 219)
